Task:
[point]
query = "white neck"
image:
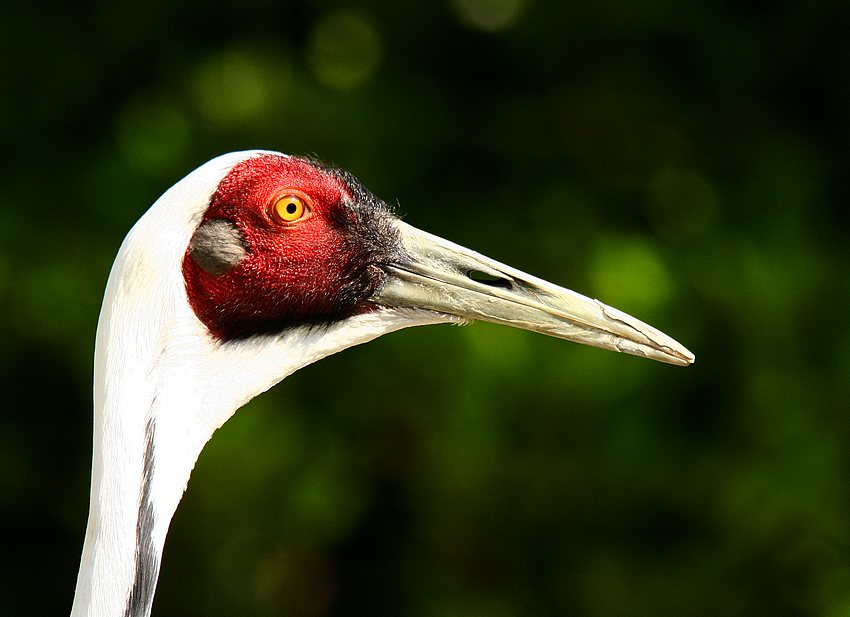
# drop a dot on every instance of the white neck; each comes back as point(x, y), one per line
point(137, 374)
point(163, 386)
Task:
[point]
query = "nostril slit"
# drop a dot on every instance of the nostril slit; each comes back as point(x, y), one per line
point(488, 279)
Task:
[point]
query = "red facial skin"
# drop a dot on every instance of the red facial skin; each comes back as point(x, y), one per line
point(319, 269)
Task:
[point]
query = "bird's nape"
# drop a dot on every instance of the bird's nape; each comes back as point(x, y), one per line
point(216, 295)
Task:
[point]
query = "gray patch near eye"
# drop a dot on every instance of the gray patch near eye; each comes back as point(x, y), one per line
point(218, 246)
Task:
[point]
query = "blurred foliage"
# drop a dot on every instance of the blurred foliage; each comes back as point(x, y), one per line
point(686, 162)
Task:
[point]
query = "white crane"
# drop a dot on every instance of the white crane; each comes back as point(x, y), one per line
point(253, 266)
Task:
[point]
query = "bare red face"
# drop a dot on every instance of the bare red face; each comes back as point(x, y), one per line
point(286, 241)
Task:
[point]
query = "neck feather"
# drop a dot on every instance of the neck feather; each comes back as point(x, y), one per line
point(139, 331)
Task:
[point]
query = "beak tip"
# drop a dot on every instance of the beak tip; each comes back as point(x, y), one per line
point(679, 354)
point(639, 338)
point(672, 352)
point(669, 354)
point(685, 359)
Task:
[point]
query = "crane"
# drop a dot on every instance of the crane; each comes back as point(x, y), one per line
point(254, 265)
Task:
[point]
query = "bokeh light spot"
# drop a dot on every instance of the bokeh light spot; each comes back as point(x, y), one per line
point(628, 273)
point(153, 136)
point(489, 15)
point(231, 87)
point(344, 50)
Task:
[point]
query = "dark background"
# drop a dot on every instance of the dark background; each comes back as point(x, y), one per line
point(686, 162)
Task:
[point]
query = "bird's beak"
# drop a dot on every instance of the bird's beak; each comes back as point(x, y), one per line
point(438, 275)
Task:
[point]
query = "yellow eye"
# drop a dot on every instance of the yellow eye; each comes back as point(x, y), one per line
point(290, 208)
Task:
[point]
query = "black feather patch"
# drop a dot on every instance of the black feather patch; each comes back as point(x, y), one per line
point(140, 600)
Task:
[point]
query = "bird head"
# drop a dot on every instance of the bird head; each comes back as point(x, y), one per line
point(286, 241)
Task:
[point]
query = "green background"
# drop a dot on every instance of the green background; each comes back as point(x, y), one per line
point(686, 162)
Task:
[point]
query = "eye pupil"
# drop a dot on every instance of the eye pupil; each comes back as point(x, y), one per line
point(291, 207)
